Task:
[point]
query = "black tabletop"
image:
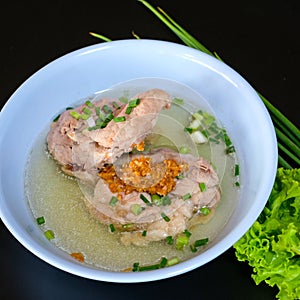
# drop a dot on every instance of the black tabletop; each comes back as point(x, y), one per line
point(258, 38)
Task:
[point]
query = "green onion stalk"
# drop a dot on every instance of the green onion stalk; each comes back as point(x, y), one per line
point(288, 135)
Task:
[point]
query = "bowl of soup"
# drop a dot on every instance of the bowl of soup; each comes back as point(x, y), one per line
point(134, 160)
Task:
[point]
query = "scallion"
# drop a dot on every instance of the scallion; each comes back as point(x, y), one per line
point(182, 241)
point(145, 199)
point(169, 240)
point(89, 104)
point(178, 101)
point(202, 186)
point(49, 234)
point(116, 105)
point(165, 217)
point(236, 170)
point(134, 102)
point(75, 114)
point(40, 220)
point(119, 119)
point(186, 196)
point(113, 201)
point(112, 228)
point(184, 150)
point(144, 233)
point(205, 210)
point(136, 209)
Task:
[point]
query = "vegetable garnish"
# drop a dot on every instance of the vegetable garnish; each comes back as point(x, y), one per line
point(89, 104)
point(186, 196)
point(182, 240)
point(202, 186)
point(184, 150)
point(40, 220)
point(144, 233)
point(272, 245)
point(119, 119)
point(164, 262)
point(49, 234)
point(178, 101)
point(145, 199)
point(205, 210)
point(236, 170)
point(113, 201)
point(198, 243)
point(112, 228)
point(136, 209)
point(76, 115)
point(170, 240)
point(165, 217)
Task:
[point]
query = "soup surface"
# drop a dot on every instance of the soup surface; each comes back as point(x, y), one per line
point(60, 199)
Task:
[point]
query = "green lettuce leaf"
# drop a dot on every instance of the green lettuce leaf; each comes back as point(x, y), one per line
point(272, 245)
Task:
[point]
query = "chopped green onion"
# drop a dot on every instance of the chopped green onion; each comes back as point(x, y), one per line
point(236, 170)
point(156, 199)
point(165, 200)
point(186, 196)
point(123, 99)
point(85, 116)
point(112, 228)
point(56, 118)
point(135, 267)
point(76, 115)
point(144, 233)
point(237, 184)
point(107, 109)
point(89, 104)
point(119, 119)
point(180, 176)
point(86, 111)
point(169, 240)
point(198, 137)
point(178, 101)
point(134, 102)
point(165, 217)
point(128, 110)
point(188, 129)
point(40, 220)
point(145, 199)
point(163, 262)
point(230, 149)
point(127, 226)
point(198, 116)
point(202, 186)
point(116, 105)
point(205, 210)
point(197, 244)
point(49, 234)
point(136, 209)
point(201, 242)
point(113, 201)
point(226, 139)
point(184, 150)
point(98, 111)
point(173, 261)
point(182, 241)
point(195, 124)
point(187, 233)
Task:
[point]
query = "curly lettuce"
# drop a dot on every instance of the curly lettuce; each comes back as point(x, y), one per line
point(272, 245)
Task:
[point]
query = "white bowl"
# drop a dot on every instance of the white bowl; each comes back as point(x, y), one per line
point(88, 70)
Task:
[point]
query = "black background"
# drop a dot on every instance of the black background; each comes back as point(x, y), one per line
point(258, 38)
